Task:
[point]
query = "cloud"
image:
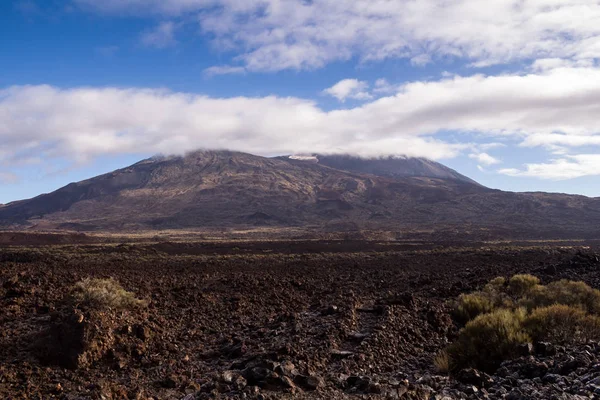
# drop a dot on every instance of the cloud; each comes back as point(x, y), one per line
point(224, 70)
point(573, 166)
point(163, 35)
point(545, 64)
point(382, 86)
point(273, 35)
point(8, 178)
point(530, 110)
point(560, 140)
point(349, 89)
point(484, 158)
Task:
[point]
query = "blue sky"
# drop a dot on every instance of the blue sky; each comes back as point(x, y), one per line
point(505, 93)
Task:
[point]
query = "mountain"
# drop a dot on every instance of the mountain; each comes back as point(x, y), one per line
point(224, 189)
point(393, 167)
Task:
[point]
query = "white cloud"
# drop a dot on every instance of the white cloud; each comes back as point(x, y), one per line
point(560, 140)
point(545, 64)
point(349, 89)
point(489, 146)
point(382, 86)
point(224, 70)
point(484, 158)
point(574, 166)
point(79, 124)
point(163, 35)
point(531, 110)
point(273, 35)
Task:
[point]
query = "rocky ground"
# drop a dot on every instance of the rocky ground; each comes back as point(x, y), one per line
point(270, 321)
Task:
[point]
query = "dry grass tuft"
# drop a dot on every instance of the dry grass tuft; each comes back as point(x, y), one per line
point(441, 362)
point(104, 293)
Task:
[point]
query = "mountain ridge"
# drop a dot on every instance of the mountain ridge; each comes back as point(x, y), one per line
point(233, 190)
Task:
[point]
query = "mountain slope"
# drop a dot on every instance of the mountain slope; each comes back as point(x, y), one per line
point(392, 167)
point(210, 189)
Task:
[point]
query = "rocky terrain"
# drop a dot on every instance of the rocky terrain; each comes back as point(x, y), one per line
point(272, 320)
point(226, 191)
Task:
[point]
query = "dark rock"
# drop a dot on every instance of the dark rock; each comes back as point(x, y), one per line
point(551, 378)
point(142, 332)
point(333, 309)
point(256, 374)
point(77, 340)
point(357, 336)
point(361, 383)
point(545, 349)
point(170, 382)
point(286, 368)
point(525, 349)
point(471, 376)
point(341, 353)
point(308, 382)
point(515, 394)
point(533, 369)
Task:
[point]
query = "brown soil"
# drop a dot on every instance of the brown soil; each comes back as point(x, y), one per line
point(250, 320)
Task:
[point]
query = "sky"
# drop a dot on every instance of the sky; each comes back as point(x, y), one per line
point(506, 92)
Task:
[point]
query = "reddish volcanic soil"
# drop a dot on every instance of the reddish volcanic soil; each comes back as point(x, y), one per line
point(249, 320)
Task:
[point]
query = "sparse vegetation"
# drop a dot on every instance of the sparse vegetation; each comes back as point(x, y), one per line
point(560, 323)
point(489, 339)
point(493, 296)
point(504, 315)
point(521, 284)
point(441, 362)
point(575, 294)
point(104, 293)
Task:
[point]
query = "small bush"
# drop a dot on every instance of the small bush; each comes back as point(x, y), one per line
point(104, 293)
point(563, 324)
point(558, 323)
point(505, 314)
point(489, 339)
point(520, 285)
point(490, 298)
point(569, 293)
point(471, 305)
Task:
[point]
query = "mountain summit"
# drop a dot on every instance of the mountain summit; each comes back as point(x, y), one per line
point(393, 167)
point(224, 189)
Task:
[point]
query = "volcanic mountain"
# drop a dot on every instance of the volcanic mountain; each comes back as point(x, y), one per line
point(394, 167)
point(223, 189)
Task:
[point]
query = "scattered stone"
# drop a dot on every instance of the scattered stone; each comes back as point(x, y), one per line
point(341, 353)
point(525, 349)
point(358, 336)
point(332, 309)
point(308, 382)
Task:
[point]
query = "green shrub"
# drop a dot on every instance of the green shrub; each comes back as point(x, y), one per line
point(104, 293)
point(496, 284)
point(557, 323)
point(492, 296)
point(488, 340)
point(520, 285)
point(569, 293)
point(471, 305)
point(505, 314)
point(563, 324)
